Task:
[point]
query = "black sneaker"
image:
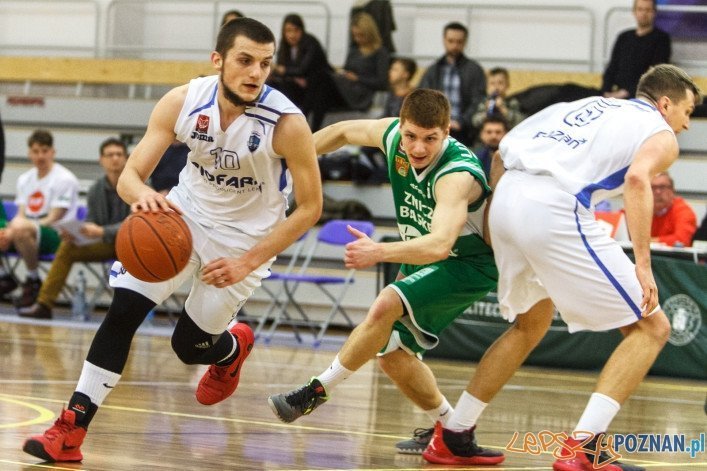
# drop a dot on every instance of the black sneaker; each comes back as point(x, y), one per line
point(30, 291)
point(450, 447)
point(8, 284)
point(294, 404)
point(416, 445)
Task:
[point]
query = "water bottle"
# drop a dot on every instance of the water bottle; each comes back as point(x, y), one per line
point(492, 104)
point(79, 309)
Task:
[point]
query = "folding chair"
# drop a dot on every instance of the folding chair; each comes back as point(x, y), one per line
point(333, 233)
point(276, 294)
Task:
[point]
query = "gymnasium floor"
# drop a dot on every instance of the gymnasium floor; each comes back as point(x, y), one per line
point(152, 421)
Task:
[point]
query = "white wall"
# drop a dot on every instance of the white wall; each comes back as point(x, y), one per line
point(510, 29)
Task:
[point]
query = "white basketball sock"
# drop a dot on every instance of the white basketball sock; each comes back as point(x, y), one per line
point(466, 413)
point(441, 413)
point(96, 382)
point(600, 411)
point(333, 375)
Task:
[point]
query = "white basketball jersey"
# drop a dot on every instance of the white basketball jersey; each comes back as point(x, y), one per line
point(586, 145)
point(233, 179)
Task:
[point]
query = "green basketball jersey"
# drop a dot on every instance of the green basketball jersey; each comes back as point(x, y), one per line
point(414, 195)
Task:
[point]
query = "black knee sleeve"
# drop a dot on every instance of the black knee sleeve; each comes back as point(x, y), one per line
point(111, 344)
point(194, 346)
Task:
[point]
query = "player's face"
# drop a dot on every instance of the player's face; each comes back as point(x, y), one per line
point(244, 69)
point(420, 144)
point(113, 159)
point(41, 156)
point(677, 114)
point(644, 12)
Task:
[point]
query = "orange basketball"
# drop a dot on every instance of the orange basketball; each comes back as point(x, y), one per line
point(153, 246)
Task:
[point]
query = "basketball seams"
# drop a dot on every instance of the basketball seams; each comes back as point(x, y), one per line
point(163, 244)
point(134, 248)
point(154, 247)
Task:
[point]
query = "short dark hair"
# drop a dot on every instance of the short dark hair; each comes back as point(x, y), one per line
point(248, 27)
point(41, 137)
point(500, 71)
point(495, 119)
point(455, 25)
point(667, 80)
point(408, 64)
point(112, 141)
point(426, 108)
point(654, 2)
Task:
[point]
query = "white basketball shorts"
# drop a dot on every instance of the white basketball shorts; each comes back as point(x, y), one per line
point(211, 308)
point(547, 245)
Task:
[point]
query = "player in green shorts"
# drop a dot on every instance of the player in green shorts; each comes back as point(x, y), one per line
point(439, 190)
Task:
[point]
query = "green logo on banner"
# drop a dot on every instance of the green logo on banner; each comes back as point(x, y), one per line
point(685, 319)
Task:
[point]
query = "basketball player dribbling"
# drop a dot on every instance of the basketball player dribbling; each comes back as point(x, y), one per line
point(550, 249)
point(249, 144)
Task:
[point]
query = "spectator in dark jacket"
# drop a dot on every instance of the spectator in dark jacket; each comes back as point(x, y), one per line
point(364, 73)
point(460, 78)
point(634, 51)
point(166, 174)
point(300, 59)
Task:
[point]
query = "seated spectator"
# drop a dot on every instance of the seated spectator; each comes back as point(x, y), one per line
point(106, 211)
point(365, 72)
point(701, 233)
point(300, 59)
point(166, 175)
point(496, 102)
point(382, 13)
point(400, 75)
point(461, 79)
point(493, 128)
point(46, 194)
point(231, 15)
point(634, 51)
point(674, 221)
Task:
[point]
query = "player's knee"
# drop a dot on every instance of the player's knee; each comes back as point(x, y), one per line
point(386, 309)
point(189, 342)
point(186, 351)
point(659, 328)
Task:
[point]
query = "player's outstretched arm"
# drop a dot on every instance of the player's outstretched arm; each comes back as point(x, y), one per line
point(148, 152)
point(453, 192)
point(360, 132)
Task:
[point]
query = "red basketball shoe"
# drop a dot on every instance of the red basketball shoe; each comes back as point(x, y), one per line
point(60, 442)
point(219, 382)
point(582, 461)
point(450, 447)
